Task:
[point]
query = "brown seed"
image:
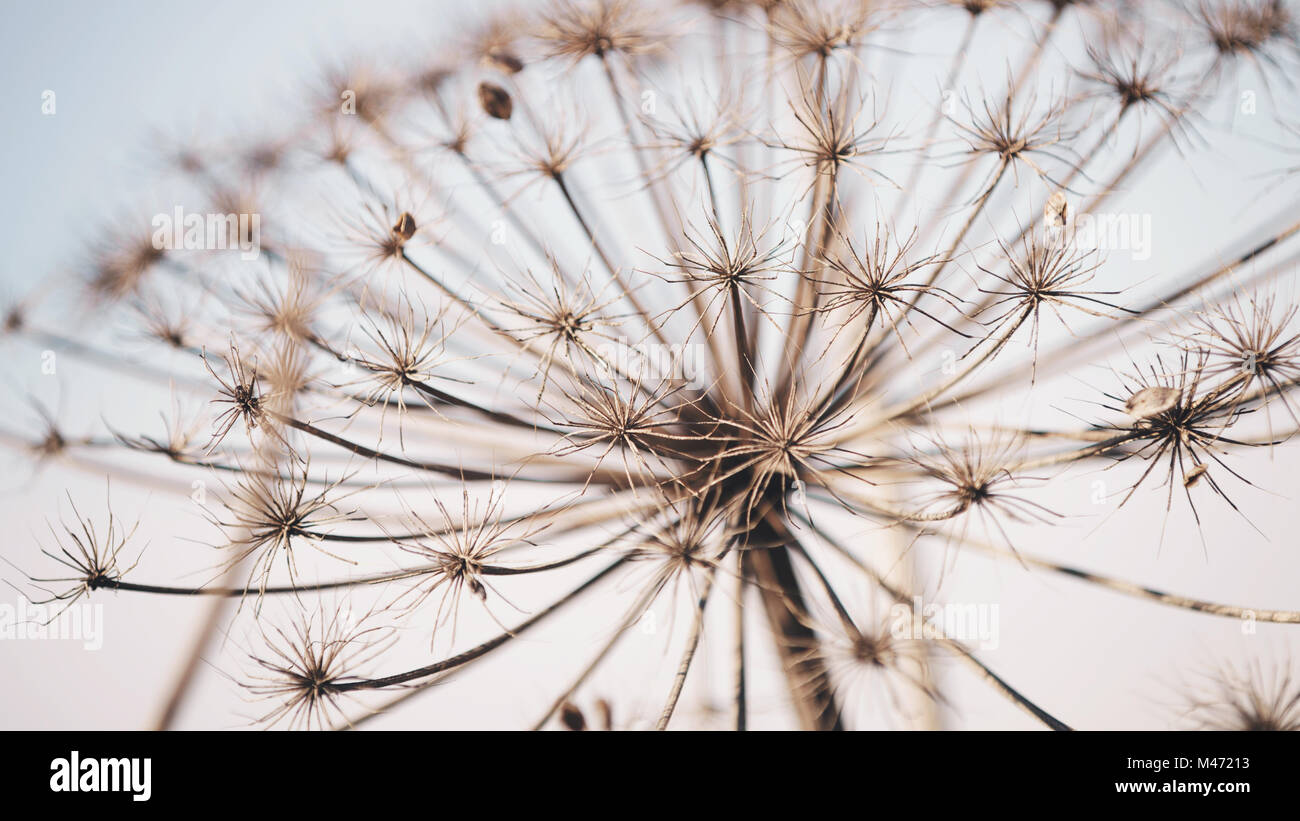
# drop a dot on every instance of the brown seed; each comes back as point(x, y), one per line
point(15, 319)
point(1194, 475)
point(505, 61)
point(495, 101)
point(405, 227)
point(1152, 401)
point(572, 717)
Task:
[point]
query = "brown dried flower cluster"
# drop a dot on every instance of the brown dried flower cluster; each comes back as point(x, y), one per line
point(698, 322)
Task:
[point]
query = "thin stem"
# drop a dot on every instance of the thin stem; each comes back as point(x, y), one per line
point(1130, 588)
point(924, 399)
point(900, 596)
point(739, 698)
point(692, 643)
point(613, 270)
point(483, 649)
point(634, 614)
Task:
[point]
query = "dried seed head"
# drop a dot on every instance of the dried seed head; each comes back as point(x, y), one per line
point(868, 662)
point(359, 91)
point(872, 279)
point(977, 7)
point(377, 234)
point(463, 550)
point(289, 371)
point(566, 321)
point(698, 129)
point(832, 134)
point(1048, 273)
point(123, 267)
point(1180, 435)
point(977, 477)
point(1252, 338)
point(52, 442)
point(408, 344)
point(305, 666)
point(812, 28)
point(781, 445)
point(240, 392)
point(288, 311)
point(684, 537)
point(169, 323)
point(1253, 698)
point(673, 480)
point(631, 422)
point(718, 262)
point(1246, 27)
point(1133, 76)
point(597, 28)
point(271, 516)
point(1016, 131)
point(89, 553)
point(179, 441)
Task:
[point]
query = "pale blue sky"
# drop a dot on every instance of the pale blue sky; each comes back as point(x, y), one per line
point(122, 69)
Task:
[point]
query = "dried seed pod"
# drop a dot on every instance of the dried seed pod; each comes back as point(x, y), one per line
point(405, 226)
point(1152, 401)
point(572, 717)
point(15, 319)
point(495, 101)
point(506, 62)
point(1056, 211)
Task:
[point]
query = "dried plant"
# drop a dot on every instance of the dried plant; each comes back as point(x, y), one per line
point(1249, 699)
point(582, 318)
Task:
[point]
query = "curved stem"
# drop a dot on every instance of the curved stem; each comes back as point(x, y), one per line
point(481, 650)
point(377, 578)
